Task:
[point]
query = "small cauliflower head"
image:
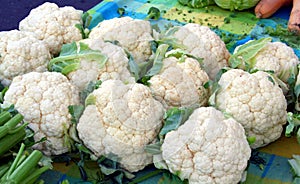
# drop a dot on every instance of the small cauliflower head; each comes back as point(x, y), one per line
point(54, 25)
point(208, 148)
point(254, 100)
point(180, 83)
point(267, 56)
point(134, 35)
point(200, 41)
point(277, 57)
point(43, 99)
point(121, 119)
point(116, 66)
point(20, 53)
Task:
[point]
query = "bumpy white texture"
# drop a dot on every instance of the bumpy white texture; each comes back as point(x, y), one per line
point(133, 35)
point(116, 66)
point(43, 100)
point(255, 101)
point(277, 57)
point(180, 84)
point(20, 53)
point(207, 148)
point(202, 42)
point(123, 120)
point(54, 25)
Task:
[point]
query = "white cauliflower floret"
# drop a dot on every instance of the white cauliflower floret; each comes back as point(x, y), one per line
point(20, 53)
point(207, 148)
point(43, 100)
point(180, 84)
point(273, 56)
point(116, 66)
point(133, 35)
point(200, 41)
point(255, 101)
point(54, 25)
point(121, 121)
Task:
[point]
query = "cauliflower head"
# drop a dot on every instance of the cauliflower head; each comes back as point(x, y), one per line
point(277, 57)
point(20, 53)
point(121, 119)
point(133, 35)
point(43, 99)
point(54, 25)
point(266, 56)
point(255, 101)
point(200, 41)
point(180, 84)
point(116, 66)
point(207, 148)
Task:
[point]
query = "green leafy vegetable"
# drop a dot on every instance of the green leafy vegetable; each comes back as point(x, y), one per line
point(175, 117)
point(153, 13)
point(236, 4)
point(282, 33)
point(86, 21)
point(121, 11)
point(89, 89)
point(293, 128)
point(110, 166)
point(70, 56)
point(196, 3)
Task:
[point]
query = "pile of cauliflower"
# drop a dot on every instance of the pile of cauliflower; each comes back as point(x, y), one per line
point(48, 66)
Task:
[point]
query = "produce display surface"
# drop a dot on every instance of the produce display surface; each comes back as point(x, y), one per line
point(268, 164)
point(241, 27)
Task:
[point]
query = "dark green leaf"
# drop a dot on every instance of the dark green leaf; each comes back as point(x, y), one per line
point(175, 117)
point(153, 148)
point(293, 126)
point(153, 13)
point(92, 85)
point(169, 178)
point(133, 67)
point(75, 111)
point(121, 11)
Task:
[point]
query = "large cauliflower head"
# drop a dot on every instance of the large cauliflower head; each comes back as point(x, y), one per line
point(277, 57)
point(132, 34)
point(116, 66)
point(121, 119)
point(20, 53)
point(255, 101)
point(207, 148)
point(54, 25)
point(271, 56)
point(43, 99)
point(202, 42)
point(180, 84)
